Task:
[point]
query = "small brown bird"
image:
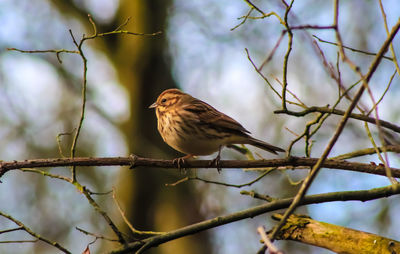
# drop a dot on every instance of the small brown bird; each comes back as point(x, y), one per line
point(193, 127)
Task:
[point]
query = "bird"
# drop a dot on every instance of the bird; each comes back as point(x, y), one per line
point(195, 128)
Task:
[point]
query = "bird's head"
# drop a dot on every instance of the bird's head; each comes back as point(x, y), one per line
point(169, 99)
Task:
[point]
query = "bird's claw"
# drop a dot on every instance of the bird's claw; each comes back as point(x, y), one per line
point(217, 162)
point(179, 163)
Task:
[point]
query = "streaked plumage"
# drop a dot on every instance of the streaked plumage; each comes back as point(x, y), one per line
point(193, 127)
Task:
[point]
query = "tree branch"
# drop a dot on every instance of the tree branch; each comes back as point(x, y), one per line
point(335, 238)
point(363, 196)
point(361, 117)
point(160, 163)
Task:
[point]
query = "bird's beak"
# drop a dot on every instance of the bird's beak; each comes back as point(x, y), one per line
point(154, 105)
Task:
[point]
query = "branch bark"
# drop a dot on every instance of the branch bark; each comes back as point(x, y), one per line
point(335, 238)
point(339, 112)
point(135, 161)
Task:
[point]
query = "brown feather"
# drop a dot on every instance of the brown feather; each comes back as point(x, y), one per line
point(213, 118)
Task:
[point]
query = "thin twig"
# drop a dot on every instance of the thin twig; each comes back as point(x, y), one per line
point(83, 106)
point(267, 81)
point(97, 236)
point(107, 218)
point(366, 151)
point(352, 49)
point(317, 27)
point(45, 173)
point(35, 235)
point(272, 248)
point(20, 241)
point(394, 59)
point(11, 230)
point(56, 51)
point(272, 53)
point(361, 117)
point(58, 139)
point(378, 152)
point(286, 57)
point(258, 196)
point(134, 231)
point(244, 19)
point(123, 24)
point(188, 178)
point(262, 75)
point(302, 104)
point(254, 7)
point(384, 93)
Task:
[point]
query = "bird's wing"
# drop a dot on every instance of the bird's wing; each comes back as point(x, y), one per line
point(208, 115)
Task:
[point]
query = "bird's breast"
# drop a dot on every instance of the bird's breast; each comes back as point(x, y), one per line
point(186, 136)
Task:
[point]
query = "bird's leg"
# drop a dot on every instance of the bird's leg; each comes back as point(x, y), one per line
point(216, 161)
point(178, 162)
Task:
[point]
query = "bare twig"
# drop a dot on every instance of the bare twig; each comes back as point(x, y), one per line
point(244, 19)
point(394, 59)
point(11, 230)
point(188, 178)
point(383, 95)
point(45, 173)
point(272, 53)
point(97, 236)
point(56, 51)
point(378, 152)
point(83, 106)
point(134, 231)
point(258, 196)
point(20, 241)
point(286, 57)
point(366, 151)
point(107, 218)
point(361, 117)
point(303, 27)
point(272, 248)
point(58, 139)
point(35, 235)
point(254, 7)
point(352, 49)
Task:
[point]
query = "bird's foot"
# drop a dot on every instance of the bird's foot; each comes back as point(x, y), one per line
point(217, 162)
point(180, 162)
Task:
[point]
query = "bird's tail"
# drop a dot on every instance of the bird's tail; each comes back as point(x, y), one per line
point(264, 145)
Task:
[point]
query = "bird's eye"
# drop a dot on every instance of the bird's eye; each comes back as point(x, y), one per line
point(163, 100)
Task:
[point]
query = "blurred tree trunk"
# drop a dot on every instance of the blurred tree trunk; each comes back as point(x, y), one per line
point(145, 71)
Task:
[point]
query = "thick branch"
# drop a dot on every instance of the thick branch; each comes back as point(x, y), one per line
point(335, 238)
point(258, 210)
point(136, 161)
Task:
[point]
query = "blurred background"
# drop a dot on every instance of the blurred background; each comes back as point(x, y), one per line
point(200, 53)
